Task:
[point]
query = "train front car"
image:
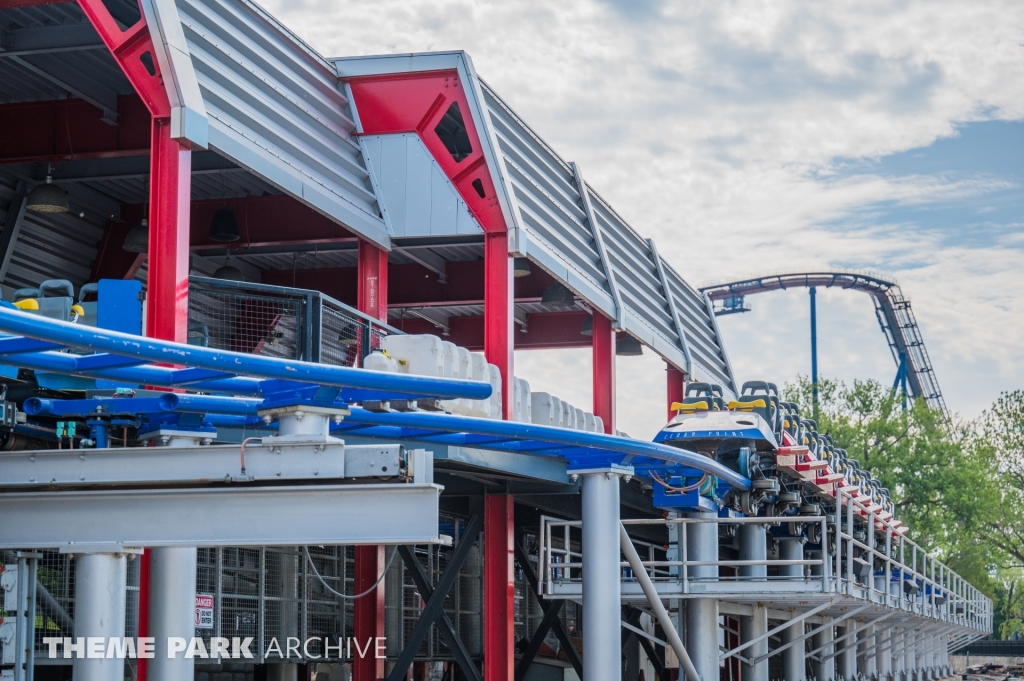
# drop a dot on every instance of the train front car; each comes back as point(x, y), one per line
point(742, 435)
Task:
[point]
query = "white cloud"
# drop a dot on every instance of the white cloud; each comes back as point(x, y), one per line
point(719, 128)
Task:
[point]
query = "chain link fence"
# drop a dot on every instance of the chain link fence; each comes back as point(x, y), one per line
point(279, 321)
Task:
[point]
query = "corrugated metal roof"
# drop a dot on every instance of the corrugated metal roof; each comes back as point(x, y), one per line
point(51, 246)
point(552, 211)
point(275, 107)
point(91, 73)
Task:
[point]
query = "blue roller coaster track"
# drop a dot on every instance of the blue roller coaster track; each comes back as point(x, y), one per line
point(892, 309)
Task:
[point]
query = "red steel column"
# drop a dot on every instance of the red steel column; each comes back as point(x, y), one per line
point(676, 388)
point(498, 315)
point(170, 167)
point(368, 612)
point(499, 588)
point(603, 344)
point(373, 281)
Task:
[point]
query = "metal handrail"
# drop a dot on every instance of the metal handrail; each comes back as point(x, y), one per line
point(837, 576)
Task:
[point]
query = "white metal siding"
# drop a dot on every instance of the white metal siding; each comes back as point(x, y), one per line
point(419, 198)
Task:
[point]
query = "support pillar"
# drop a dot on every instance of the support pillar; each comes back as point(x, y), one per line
point(910, 654)
point(794, 658)
point(823, 669)
point(753, 546)
point(602, 585)
point(866, 653)
point(702, 613)
point(603, 343)
point(368, 612)
point(499, 315)
point(847, 659)
point(172, 602)
point(883, 656)
point(676, 388)
point(101, 581)
point(372, 285)
point(898, 640)
point(499, 587)
point(170, 167)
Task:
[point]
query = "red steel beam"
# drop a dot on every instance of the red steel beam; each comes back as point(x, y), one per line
point(499, 587)
point(262, 220)
point(71, 128)
point(603, 344)
point(499, 341)
point(676, 388)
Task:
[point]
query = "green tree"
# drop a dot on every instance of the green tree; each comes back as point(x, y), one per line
point(940, 474)
point(1002, 429)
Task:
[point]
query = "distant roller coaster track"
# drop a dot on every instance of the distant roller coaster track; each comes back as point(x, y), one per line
point(891, 308)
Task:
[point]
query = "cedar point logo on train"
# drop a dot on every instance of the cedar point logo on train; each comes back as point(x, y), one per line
point(218, 648)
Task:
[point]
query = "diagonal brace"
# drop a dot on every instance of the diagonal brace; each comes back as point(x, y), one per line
point(433, 611)
point(812, 632)
point(555, 622)
point(772, 632)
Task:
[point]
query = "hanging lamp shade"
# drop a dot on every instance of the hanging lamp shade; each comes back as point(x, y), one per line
point(558, 294)
point(47, 198)
point(137, 239)
point(521, 267)
point(224, 226)
point(627, 346)
point(229, 272)
point(588, 327)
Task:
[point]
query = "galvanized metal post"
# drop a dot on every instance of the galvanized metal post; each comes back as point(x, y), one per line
point(753, 546)
point(910, 655)
point(602, 605)
point(823, 667)
point(603, 345)
point(794, 659)
point(25, 620)
point(814, 349)
point(499, 584)
point(172, 603)
point(866, 653)
point(498, 315)
point(846, 660)
point(896, 652)
point(702, 613)
point(883, 656)
point(101, 581)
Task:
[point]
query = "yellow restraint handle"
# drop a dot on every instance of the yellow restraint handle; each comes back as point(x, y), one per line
point(747, 406)
point(27, 304)
point(689, 408)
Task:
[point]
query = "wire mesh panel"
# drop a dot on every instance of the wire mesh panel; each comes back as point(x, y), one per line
point(245, 321)
point(463, 604)
point(280, 321)
point(55, 607)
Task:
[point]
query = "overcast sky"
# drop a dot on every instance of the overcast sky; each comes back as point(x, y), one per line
point(749, 137)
